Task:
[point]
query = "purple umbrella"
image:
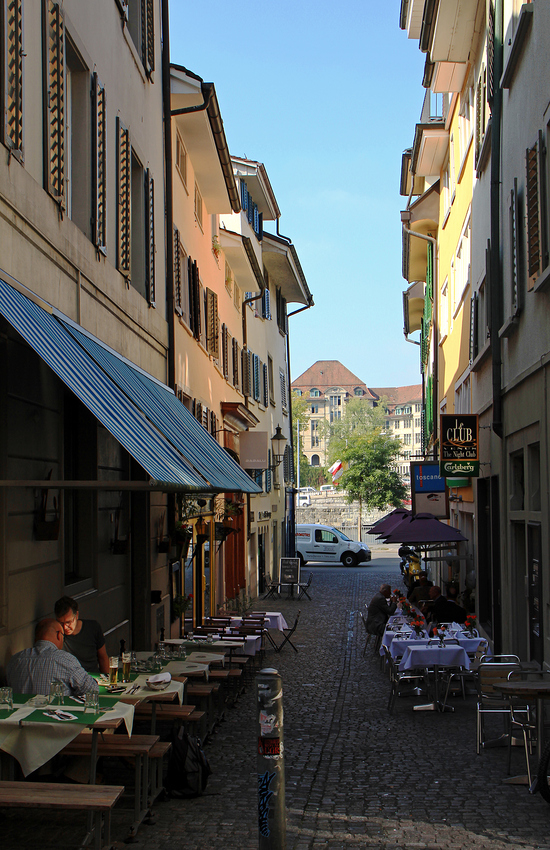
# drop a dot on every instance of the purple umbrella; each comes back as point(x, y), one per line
point(423, 529)
point(390, 521)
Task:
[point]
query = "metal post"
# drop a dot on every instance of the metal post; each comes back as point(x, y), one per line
point(270, 761)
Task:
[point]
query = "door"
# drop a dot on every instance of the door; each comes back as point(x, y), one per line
point(326, 545)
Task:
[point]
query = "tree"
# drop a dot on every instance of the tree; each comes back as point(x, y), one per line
point(369, 476)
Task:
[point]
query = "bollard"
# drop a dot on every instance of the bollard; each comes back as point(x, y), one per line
point(270, 761)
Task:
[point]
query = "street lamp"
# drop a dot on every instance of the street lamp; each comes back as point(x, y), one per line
point(278, 442)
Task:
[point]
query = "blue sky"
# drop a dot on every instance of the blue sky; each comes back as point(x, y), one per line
point(326, 96)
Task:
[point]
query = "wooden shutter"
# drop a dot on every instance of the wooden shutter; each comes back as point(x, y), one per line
point(266, 304)
point(198, 411)
point(225, 351)
point(212, 324)
point(265, 386)
point(177, 273)
point(150, 238)
point(246, 372)
point(236, 363)
point(54, 108)
point(474, 304)
point(533, 213)
point(282, 377)
point(255, 377)
point(490, 54)
point(124, 198)
point(99, 165)
point(194, 299)
point(148, 36)
point(268, 473)
point(515, 277)
point(12, 74)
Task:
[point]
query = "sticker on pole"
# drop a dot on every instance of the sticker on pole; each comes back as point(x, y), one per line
point(269, 746)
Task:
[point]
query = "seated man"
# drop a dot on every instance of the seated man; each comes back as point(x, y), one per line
point(441, 610)
point(380, 610)
point(32, 671)
point(420, 590)
point(83, 638)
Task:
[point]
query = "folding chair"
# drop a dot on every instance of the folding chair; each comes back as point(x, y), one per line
point(304, 587)
point(272, 589)
point(289, 632)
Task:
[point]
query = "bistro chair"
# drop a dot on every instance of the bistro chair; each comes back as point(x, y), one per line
point(303, 587)
point(523, 718)
point(288, 635)
point(490, 701)
point(400, 678)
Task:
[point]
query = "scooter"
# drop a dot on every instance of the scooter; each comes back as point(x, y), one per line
point(410, 564)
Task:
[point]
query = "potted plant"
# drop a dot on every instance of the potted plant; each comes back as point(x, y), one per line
point(216, 247)
point(180, 604)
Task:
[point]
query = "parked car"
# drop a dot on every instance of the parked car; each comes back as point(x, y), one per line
point(303, 500)
point(327, 488)
point(304, 490)
point(325, 543)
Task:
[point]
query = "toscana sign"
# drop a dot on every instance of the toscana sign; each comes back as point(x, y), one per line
point(459, 444)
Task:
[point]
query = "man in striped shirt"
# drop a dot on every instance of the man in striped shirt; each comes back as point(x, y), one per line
point(32, 671)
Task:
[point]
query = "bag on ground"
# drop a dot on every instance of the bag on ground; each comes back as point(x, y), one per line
point(188, 768)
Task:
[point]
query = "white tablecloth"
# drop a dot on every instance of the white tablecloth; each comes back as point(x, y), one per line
point(434, 656)
point(273, 620)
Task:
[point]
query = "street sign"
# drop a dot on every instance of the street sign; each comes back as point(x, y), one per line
point(452, 468)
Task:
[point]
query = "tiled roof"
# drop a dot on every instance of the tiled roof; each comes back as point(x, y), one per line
point(400, 395)
point(329, 373)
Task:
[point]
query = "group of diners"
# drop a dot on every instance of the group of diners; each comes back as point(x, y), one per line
point(423, 594)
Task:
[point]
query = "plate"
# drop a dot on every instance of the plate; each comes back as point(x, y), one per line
point(157, 686)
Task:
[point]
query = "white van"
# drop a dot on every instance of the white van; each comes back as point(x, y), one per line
point(327, 488)
point(325, 543)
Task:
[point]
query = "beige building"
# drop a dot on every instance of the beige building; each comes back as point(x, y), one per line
point(404, 422)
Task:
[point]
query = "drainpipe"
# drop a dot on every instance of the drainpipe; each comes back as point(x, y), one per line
point(495, 271)
point(433, 241)
point(169, 220)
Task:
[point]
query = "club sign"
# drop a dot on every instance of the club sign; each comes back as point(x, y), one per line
point(459, 444)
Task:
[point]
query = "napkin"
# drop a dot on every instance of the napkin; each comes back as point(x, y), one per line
point(158, 678)
point(60, 715)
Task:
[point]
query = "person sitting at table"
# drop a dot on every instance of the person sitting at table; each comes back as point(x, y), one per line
point(419, 591)
point(457, 614)
point(32, 671)
point(442, 610)
point(380, 610)
point(83, 638)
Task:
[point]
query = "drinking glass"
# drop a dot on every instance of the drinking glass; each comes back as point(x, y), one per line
point(92, 702)
point(113, 669)
point(210, 638)
point(126, 664)
point(157, 663)
point(57, 697)
point(6, 696)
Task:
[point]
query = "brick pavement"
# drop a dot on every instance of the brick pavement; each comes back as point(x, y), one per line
point(355, 776)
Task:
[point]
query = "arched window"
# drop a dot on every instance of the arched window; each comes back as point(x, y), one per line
point(315, 393)
point(315, 460)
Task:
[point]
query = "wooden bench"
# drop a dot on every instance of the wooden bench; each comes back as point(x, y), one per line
point(187, 715)
point(207, 695)
point(137, 748)
point(98, 799)
point(156, 757)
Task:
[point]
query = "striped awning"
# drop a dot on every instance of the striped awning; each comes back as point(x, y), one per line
point(141, 413)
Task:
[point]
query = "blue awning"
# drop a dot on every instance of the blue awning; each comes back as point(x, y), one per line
point(141, 413)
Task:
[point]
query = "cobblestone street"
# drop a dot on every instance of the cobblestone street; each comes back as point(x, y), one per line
point(355, 776)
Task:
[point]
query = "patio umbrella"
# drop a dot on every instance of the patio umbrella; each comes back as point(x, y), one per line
point(423, 529)
point(390, 521)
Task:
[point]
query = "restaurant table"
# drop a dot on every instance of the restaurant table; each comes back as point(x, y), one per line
point(436, 658)
point(272, 619)
point(398, 643)
point(32, 738)
point(529, 691)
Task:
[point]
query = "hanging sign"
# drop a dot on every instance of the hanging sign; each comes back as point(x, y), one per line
point(428, 490)
point(459, 444)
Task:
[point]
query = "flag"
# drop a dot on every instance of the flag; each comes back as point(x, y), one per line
point(336, 470)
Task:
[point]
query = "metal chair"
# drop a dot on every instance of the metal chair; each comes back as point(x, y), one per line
point(523, 717)
point(303, 587)
point(489, 701)
point(288, 635)
point(400, 677)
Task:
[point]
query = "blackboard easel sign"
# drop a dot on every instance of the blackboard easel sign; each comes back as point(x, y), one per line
point(289, 571)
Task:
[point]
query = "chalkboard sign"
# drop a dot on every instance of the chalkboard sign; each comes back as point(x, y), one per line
point(290, 571)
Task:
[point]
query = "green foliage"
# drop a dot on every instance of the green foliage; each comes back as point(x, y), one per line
point(369, 476)
point(310, 476)
point(359, 420)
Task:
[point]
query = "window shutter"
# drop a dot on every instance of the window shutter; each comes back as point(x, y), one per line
point(177, 273)
point(13, 77)
point(283, 390)
point(205, 418)
point(474, 304)
point(533, 212)
point(255, 377)
point(194, 300)
point(147, 36)
point(265, 386)
point(150, 236)
point(226, 337)
point(244, 196)
point(124, 208)
point(514, 252)
point(54, 111)
point(99, 165)
point(198, 410)
point(268, 473)
point(246, 372)
point(266, 304)
point(490, 54)
point(236, 362)
point(213, 324)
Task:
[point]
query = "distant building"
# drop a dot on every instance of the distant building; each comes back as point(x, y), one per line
point(404, 421)
point(329, 385)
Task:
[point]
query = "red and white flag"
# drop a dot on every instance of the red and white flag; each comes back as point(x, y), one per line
point(336, 470)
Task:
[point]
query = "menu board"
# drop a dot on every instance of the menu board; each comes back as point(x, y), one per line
point(289, 571)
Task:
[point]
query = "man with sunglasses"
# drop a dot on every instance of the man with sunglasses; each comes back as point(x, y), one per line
point(82, 638)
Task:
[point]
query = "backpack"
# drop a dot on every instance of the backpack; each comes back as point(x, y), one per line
point(188, 768)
